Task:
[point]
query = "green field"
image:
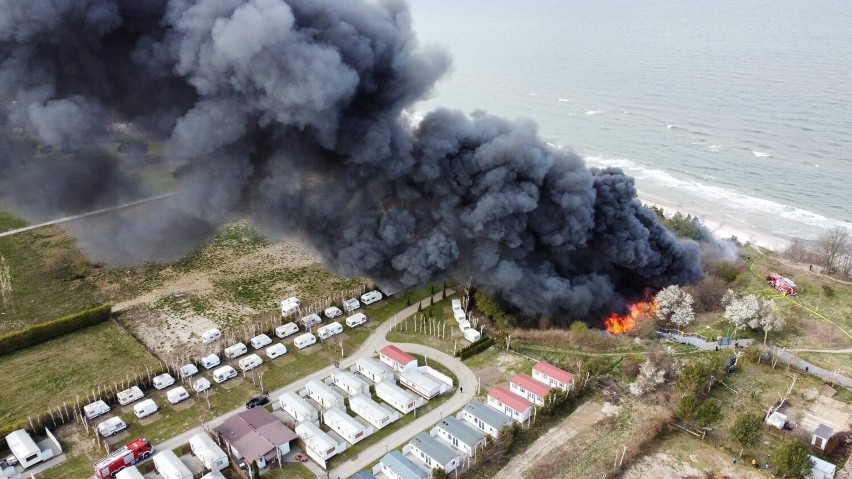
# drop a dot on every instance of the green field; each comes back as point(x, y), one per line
point(42, 276)
point(58, 370)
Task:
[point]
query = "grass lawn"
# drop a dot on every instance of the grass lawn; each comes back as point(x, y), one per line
point(42, 276)
point(58, 370)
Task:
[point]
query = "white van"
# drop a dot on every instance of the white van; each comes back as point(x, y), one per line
point(260, 341)
point(250, 362)
point(286, 329)
point(304, 340)
point(235, 351)
point(129, 395)
point(224, 373)
point(310, 320)
point(145, 408)
point(210, 361)
point(201, 384)
point(188, 370)
point(276, 350)
point(163, 381)
point(95, 409)
point(210, 335)
point(356, 319)
point(111, 426)
point(350, 305)
point(371, 297)
point(177, 395)
point(329, 330)
point(332, 312)
point(290, 305)
point(471, 334)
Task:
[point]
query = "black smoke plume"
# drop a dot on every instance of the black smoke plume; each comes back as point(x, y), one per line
point(290, 112)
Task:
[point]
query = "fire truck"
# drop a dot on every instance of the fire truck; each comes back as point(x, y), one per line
point(782, 284)
point(123, 457)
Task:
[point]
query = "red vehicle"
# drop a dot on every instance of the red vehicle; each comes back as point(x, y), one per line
point(782, 284)
point(123, 457)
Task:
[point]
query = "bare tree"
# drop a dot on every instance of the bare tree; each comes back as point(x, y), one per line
point(832, 246)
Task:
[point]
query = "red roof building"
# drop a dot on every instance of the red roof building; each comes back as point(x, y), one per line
point(552, 376)
point(396, 358)
point(529, 388)
point(510, 404)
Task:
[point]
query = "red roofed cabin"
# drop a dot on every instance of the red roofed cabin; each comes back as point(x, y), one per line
point(510, 404)
point(552, 376)
point(529, 388)
point(396, 358)
point(782, 284)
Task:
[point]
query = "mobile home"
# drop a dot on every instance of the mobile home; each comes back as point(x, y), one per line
point(373, 412)
point(332, 312)
point(298, 407)
point(25, 450)
point(177, 395)
point(350, 305)
point(170, 466)
point(250, 362)
point(395, 465)
point(111, 426)
point(348, 382)
point(484, 418)
point(323, 394)
point(129, 473)
point(329, 330)
point(422, 383)
point(373, 370)
point(208, 452)
point(286, 329)
point(210, 335)
point(471, 335)
point(371, 297)
point(552, 376)
point(310, 320)
point(459, 315)
point(510, 404)
point(276, 350)
point(346, 426)
point(260, 341)
point(210, 361)
point(396, 358)
point(145, 408)
point(187, 370)
point(434, 453)
point(304, 340)
point(402, 400)
point(356, 320)
point(529, 388)
point(95, 409)
point(290, 306)
point(224, 373)
point(459, 434)
point(235, 350)
point(201, 384)
point(318, 443)
point(163, 381)
point(129, 395)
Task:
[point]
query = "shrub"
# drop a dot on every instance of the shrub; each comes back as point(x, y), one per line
point(475, 348)
point(42, 332)
point(827, 290)
point(791, 460)
point(707, 294)
point(489, 307)
point(728, 271)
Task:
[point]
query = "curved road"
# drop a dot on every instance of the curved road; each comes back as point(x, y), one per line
point(376, 341)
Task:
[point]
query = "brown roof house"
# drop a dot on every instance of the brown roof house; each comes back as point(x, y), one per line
point(256, 435)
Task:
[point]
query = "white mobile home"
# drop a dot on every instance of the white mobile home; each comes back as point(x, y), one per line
point(460, 435)
point(250, 362)
point(332, 312)
point(213, 475)
point(235, 350)
point(310, 320)
point(224, 373)
point(396, 466)
point(422, 383)
point(129, 395)
point(290, 306)
point(323, 394)
point(304, 340)
point(129, 472)
point(210, 335)
point(298, 407)
point(459, 315)
point(347, 426)
point(286, 329)
point(170, 466)
point(373, 370)
point(349, 382)
point(111, 426)
point(177, 394)
point(210, 361)
point(396, 358)
point(260, 341)
point(318, 443)
point(552, 376)
point(373, 412)
point(471, 335)
point(329, 330)
point(371, 297)
point(484, 418)
point(434, 453)
point(201, 384)
point(188, 370)
point(510, 404)
point(350, 305)
point(208, 452)
point(162, 381)
point(356, 320)
point(456, 304)
point(96, 409)
point(276, 350)
point(529, 388)
point(404, 401)
point(25, 450)
point(145, 408)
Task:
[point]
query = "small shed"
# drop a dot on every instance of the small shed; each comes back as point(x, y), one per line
point(434, 453)
point(821, 436)
point(396, 358)
point(323, 394)
point(821, 469)
point(777, 420)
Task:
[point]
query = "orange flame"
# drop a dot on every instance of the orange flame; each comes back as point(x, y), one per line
point(620, 324)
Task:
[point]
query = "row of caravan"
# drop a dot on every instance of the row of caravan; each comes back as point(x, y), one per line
point(459, 315)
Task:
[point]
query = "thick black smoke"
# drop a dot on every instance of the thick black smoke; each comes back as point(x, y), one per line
point(289, 112)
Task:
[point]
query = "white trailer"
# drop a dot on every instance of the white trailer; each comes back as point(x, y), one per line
point(371, 297)
point(129, 395)
point(329, 330)
point(332, 312)
point(250, 362)
point(355, 320)
point(111, 426)
point(145, 408)
point(260, 341)
point(235, 350)
point(304, 340)
point(310, 320)
point(210, 361)
point(95, 409)
point(290, 306)
point(188, 370)
point(224, 373)
point(208, 452)
point(163, 381)
point(350, 305)
point(286, 329)
point(170, 466)
point(25, 450)
point(177, 395)
point(129, 473)
point(298, 407)
point(210, 335)
point(276, 350)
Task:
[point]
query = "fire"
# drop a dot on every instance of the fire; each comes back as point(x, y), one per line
point(620, 324)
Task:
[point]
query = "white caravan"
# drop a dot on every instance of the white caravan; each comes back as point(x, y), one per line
point(332, 312)
point(208, 452)
point(250, 362)
point(356, 319)
point(210, 335)
point(371, 297)
point(145, 408)
point(276, 350)
point(210, 361)
point(95, 409)
point(260, 341)
point(350, 305)
point(129, 395)
point(329, 330)
point(235, 350)
point(170, 466)
point(310, 320)
point(111, 426)
point(286, 329)
point(224, 373)
point(177, 394)
point(304, 340)
point(201, 384)
point(163, 381)
point(188, 370)
point(290, 306)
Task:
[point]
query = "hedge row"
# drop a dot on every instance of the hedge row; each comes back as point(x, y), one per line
point(42, 332)
point(476, 347)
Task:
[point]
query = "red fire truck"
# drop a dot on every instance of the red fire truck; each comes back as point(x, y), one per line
point(782, 284)
point(123, 457)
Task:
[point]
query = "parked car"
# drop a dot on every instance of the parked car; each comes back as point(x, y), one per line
point(258, 401)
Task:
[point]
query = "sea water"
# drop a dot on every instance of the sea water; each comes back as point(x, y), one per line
point(739, 112)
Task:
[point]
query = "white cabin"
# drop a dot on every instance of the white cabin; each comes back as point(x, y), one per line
point(401, 399)
point(208, 452)
point(290, 306)
point(318, 443)
point(349, 382)
point(323, 394)
point(329, 330)
point(373, 370)
point(170, 466)
point(298, 407)
point(421, 383)
point(346, 426)
point(373, 412)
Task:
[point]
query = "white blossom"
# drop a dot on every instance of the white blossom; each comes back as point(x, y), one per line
point(675, 305)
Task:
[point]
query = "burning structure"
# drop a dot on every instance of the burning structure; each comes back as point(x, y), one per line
point(289, 112)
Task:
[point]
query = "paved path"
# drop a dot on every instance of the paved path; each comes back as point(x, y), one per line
point(373, 343)
point(700, 343)
point(826, 351)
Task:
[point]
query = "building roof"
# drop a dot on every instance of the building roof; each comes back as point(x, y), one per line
point(374, 367)
point(823, 431)
point(422, 380)
point(21, 444)
point(397, 354)
point(821, 469)
point(255, 433)
point(348, 380)
point(346, 423)
point(554, 372)
point(365, 407)
point(486, 414)
point(395, 392)
point(437, 450)
point(510, 399)
point(298, 403)
point(314, 437)
point(531, 385)
point(362, 475)
point(323, 390)
point(403, 467)
point(461, 431)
